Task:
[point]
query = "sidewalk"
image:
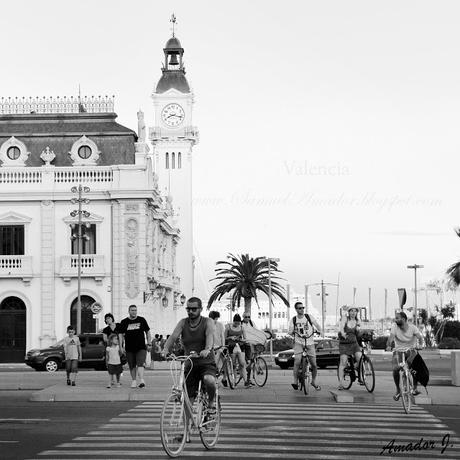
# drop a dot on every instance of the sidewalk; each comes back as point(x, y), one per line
point(91, 386)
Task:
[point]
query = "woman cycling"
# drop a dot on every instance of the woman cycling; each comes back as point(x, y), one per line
point(234, 335)
point(348, 341)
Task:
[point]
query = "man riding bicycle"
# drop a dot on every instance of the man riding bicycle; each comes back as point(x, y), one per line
point(197, 334)
point(301, 326)
point(405, 335)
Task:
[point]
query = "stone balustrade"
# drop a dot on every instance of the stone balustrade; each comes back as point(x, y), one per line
point(92, 265)
point(15, 266)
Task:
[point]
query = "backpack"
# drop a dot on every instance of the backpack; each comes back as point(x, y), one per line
point(294, 320)
point(422, 374)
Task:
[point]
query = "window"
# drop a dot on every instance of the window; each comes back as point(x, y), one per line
point(84, 152)
point(167, 160)
point(179, 160)
point(13, 153)
point(173, 162)
point(12, 240)
point(88, 243)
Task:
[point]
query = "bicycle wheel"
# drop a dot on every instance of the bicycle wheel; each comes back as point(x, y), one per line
point(347, 381)
point(229, 373)
point(260, 371)
point(306, 388)
point(405, 391)
point(210, 425)
point(301, 375)
point(173, 426)
point(366, 369)
point(237, 373)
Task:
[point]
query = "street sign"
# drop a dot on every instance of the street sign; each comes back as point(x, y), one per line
point(96, 308)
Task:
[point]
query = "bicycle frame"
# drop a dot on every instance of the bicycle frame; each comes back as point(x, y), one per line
point(405, 375)
point(304, 365)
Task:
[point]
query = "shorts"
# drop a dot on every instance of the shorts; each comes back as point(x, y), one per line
point(71, 365)
point(136, 358)
point(397, 358)
point(201, 367)
point(349, 348)
point(115, 369)
point(311, 351)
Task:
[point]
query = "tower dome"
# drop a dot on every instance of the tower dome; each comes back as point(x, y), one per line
point(173, 70)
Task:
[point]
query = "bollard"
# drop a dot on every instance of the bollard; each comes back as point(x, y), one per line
point(455, 367)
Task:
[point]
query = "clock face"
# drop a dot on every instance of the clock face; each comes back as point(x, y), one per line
point(172, 115)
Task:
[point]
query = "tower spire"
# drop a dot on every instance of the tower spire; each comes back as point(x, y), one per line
point(173, 20)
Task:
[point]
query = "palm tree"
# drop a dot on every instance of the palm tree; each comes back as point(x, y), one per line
point(243, 276)
point(453, 272)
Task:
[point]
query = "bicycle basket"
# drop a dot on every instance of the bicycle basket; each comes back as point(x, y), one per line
point(259, 348)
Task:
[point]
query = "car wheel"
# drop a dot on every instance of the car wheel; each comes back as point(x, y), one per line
point(51, 365)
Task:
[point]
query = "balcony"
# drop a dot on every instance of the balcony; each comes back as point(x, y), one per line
point(16, 267)
point(92, 266)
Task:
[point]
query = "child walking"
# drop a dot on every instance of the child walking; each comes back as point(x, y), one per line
point(72, 352)
point(113, 360)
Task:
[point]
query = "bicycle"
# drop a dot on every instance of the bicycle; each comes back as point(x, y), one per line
point(406, 382)
point(226, 370)
point(365, 370)
point(179, 416)
point(304, 373)
point(257, 366)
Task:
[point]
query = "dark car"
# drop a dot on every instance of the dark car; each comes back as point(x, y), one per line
point(327, 354)
point(52, 358)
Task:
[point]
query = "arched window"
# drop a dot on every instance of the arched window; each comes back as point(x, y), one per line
point(179, 160)
point(173, 160)
point(167, 160)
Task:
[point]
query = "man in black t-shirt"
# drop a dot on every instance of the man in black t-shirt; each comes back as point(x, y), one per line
point(134, 330)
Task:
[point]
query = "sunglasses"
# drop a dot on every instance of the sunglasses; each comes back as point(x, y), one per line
point(300, 308)
point(192, 308)
point(246, 317)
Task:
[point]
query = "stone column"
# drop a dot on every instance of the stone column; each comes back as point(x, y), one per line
point(455, 367)
point(47, 269)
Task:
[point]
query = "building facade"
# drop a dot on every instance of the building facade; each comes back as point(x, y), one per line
point(135, 215)
point(129, 244)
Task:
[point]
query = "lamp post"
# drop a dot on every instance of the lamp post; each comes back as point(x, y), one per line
point(415, 267)
point(323, 295)
point(79, 236)
point(269, 260)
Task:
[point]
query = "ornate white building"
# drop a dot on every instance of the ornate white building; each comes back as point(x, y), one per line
point(136, 248)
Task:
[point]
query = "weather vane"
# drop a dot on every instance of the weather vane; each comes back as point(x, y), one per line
point(174, 21)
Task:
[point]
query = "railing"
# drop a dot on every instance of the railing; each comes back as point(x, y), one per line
point(15, 106)
point(91, 265)
point(15, 265)
point(101, 174)
point(21, 176)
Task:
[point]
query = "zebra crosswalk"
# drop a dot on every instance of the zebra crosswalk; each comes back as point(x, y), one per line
point(276, 430)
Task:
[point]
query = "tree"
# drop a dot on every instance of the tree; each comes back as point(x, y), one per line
point(453, 272)
point(243, 277)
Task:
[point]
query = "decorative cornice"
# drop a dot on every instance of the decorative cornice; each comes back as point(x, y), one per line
point(14, 218)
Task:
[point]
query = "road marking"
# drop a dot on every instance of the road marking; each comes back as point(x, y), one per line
point(280, 431)
point(8, 442)
point(23, 420)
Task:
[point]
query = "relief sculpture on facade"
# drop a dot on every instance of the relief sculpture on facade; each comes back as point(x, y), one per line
point(132, 259)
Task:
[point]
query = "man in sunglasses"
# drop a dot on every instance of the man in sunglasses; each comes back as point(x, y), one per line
point(302, 325)
point(197, 334)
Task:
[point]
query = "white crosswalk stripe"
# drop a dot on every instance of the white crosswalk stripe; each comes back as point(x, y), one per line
point(275, 430)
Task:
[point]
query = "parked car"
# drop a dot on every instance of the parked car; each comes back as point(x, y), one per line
point(52, 358)
point(327, 354)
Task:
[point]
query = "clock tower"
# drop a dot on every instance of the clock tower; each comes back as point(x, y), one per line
point(173, 137)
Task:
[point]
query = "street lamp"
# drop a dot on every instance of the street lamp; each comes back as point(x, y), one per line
point(270, 306)
point(79, 237)
point(414, 267)
point(323, 295)
point(182, 299)
point(150, 294)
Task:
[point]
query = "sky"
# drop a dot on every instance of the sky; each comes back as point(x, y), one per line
point(328, 130)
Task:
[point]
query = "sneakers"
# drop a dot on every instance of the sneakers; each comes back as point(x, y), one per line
point(109, 386)
point(73, 384)
point(415, 392)
point(224, 383)
point(133, 384)
point(247, 385)
point(142, 384)
point(68, 381)
point(118, 385)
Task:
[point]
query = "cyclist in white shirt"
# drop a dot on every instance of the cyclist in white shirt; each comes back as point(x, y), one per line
point(303, 325)
point(405, 335)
